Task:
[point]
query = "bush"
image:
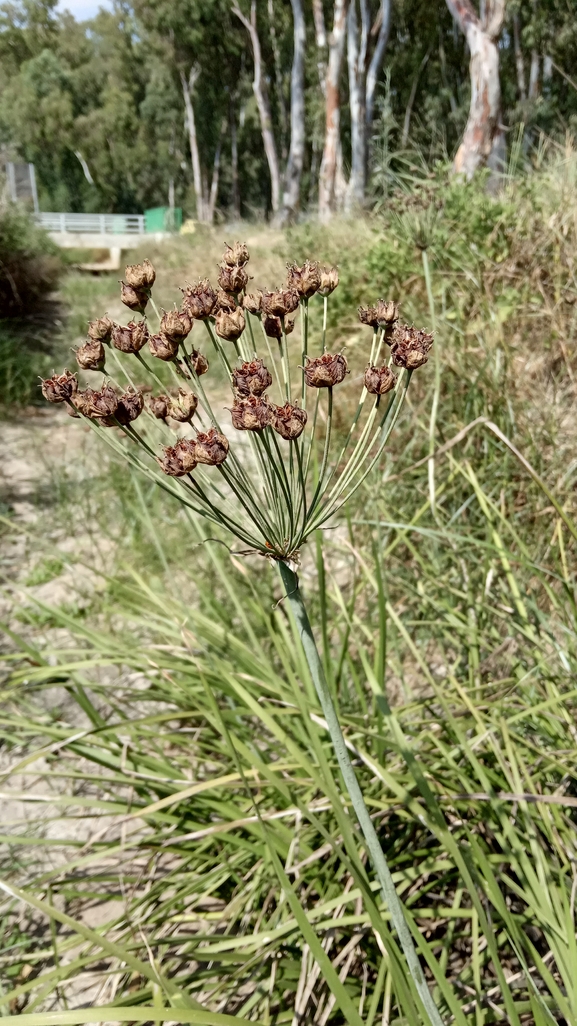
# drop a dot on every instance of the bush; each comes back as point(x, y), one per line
point(29, 262)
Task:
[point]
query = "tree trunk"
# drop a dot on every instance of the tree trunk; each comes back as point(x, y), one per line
point(262, 101)
point(234, 163)
point(482, 131)
point(278, 78)
point(534, 75)
point(321, 41)
point(357, 58)
point(519, 62)
point(187, 87)
point(329, 163)
point(292, 182)
point(213, 194)
point(378, 58)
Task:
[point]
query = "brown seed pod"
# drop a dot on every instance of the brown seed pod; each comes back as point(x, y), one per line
point(280, 302)
point(130, 338)
point(130, 406)
point(158, 406)
point(232, 279)
point(60, 387)
point(251, 378)
point(90, 355)
point(199, 299)
point(387, 314)
point(329, 280)
point(176, 324)
point(325, 371)
point(223, 302)
point(199, 362)
point(306, 279)
point(368, 315)
point(379, 380)
point(210, 447)
point(184, 407)
point(251, 413)
point(272, 327)
point(140, 276)
point(253, 302)
point(134, 299)
point(97, 403)
point(410, 347)
point(236, 255)
point(178, 460)
point(101, 329)
point(162, 348)
point(230, 326)
point(288, 420)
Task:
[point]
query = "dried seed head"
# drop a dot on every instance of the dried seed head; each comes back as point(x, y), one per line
point(379, 380)
point(236, 255)
point(162, 347)
point(306, 279)
point(280, 302)
point(272, 327)
point(253, 302)
point(184, 407)
point(130, 406)
point(229, 326)
point(223, 302)
point(140, 276)
point(329, 280)
point(368, 315)
point(326, 370)
point(410, 347)
point(158, 406)
point(199, 299)
point(178, 460)
point(97, 403)
point(134, 299)
point(288, 420)
point(387, 314)
point(251, 378)
point(176, 324)
point(199, 362)
point(210, 448)
point(60, 387)
point(90, 355)
point(251, 413)
point(130, 338)
point(101, 329)
point(232, 279)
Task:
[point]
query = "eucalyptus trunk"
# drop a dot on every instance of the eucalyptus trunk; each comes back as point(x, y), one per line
point(188, 85)
point(357, 58)
point(294, 168)
point(331, 150)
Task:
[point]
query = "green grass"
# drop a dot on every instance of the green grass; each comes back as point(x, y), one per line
point(444, 606)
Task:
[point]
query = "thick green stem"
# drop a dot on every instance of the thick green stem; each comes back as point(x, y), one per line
point(294, 597)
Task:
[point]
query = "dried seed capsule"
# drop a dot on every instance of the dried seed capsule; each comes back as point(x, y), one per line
point(387, 314)
point(280, 302)
point(140, 276)
point(134, 299)
point(90, 355)
point(288, 420)
point(251, 413)
point(223, 302)
point(326, 370)
point(236, 255)
point(253, 302)
point(329, 280)
point(229, 326)
point(211, 448)
point(379, 380)
point(176, 324)
point(97, 403)
point(273, 327)
point(184, 407)
point(101, 329)
point(368, 315)
point(158, 406)
point(130, 406)
point(130, 338)
point(199, 362)
point(251, 378)
point(60, 387)
point(232, 279)
point(199, 299)
point(306, 279)
point(162, 348)
point(178, 460)
point(410, 347)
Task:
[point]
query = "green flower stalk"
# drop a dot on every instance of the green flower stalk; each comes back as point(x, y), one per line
point(280, 474)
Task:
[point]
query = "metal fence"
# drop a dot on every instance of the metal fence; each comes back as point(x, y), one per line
point(93, 224)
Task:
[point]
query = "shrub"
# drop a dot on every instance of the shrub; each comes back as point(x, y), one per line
point(29, 262)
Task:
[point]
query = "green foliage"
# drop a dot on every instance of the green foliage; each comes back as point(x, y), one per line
point(29, 262)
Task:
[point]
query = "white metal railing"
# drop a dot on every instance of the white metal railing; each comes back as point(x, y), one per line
point(93, 224)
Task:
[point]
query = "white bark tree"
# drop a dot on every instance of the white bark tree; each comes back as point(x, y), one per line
point(483, 135)
point(188, 85)
point(293, 173)
point(331, 151)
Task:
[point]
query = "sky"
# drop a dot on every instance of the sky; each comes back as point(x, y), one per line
point(83, 9)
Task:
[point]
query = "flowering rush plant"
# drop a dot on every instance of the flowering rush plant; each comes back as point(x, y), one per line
point(280, 473)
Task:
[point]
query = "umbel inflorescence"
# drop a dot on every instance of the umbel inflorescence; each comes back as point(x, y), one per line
point(279, 474)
